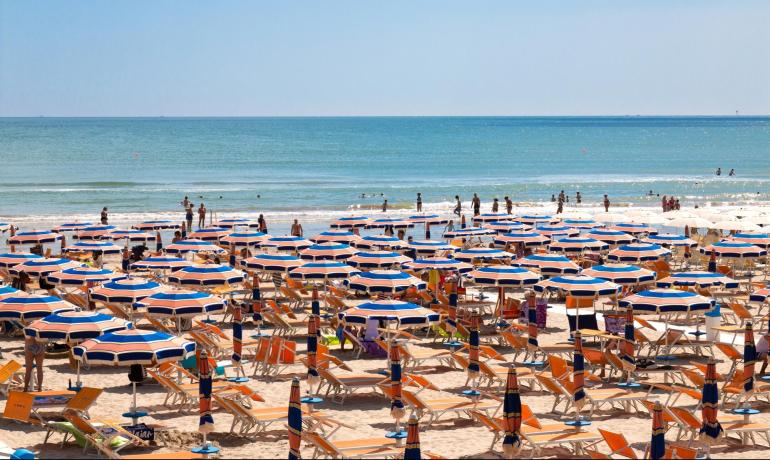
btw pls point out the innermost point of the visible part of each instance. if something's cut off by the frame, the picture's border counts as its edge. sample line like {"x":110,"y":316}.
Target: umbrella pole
{"x":77,"y":377}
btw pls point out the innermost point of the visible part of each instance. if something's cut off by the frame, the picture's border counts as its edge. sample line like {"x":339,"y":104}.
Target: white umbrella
{"x":759,"y":220}
{"x":575,"y":215}
{"x":738,"y":225}
{"x":612,"y":217}
{"x":649,"y":219}
{"x":697,"y":222}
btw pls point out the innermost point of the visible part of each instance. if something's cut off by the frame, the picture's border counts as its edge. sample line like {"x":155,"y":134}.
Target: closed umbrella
{"x":749,"y":359}
{"x":206,"y":421}
{"x":711,"y":429}
{"x":412,"y":448}
{"x":312,"y":350}
{"x":396,"y":405}
{"x":658,"y":441}
{"x":512,"y":414}
{"x":627,"y":346}
{"x":578,"y":378}
{"x":473,"y":351}
{"x":238,"y":344}
{"x":295,"y":421}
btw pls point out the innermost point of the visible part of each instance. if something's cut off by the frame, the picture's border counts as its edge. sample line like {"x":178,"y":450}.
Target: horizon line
{"x":406,"y":116}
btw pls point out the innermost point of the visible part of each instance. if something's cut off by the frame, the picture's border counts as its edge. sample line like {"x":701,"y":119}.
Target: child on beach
{"x":104,"y":215}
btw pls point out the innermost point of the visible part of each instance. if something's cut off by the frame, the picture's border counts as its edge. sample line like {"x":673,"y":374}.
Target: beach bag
{"x":541,"y":312}
{"x":615,"y":324}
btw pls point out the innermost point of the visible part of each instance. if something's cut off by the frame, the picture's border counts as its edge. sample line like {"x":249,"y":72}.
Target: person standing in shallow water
{"x":104,"y":216}
{"x":385,"y":206}
{"x":419,"y":202}
{"x":606,"y":204}
{"x":495,"y":205}
{"x":201,"y":215}
{"x":476,"y":203}
{"x":296,"y":229}
{"x":508,"y":205}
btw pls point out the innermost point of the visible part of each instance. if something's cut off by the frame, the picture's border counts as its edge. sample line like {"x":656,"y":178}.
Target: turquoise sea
{"x":77,"y":165}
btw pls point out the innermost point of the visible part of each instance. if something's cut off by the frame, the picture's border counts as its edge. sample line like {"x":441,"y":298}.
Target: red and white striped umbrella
{"x":384,"y":281}
{"x":34,"y":237}
{"x":394,"y":223}
{"x":156,"y":225}
{"x":580,"y":286}
{"x":611,"y":236}
{"x":81,"y":276}
{"x":160,"y":263}
{"x":431,"y":247}
{"x":536,"y":219}
{"x":634,"y":229}
{"x":286,"y":243}
{"x":193,"y":245}
{"x":503,"y":276}
{"x":126,"y":290}
{"x":527,"y":238}
{"x":577,"y":245}
{"x":327,"y":251}
{"x":732,"y":249}
{"x":272,"y":263}
{"x":507,"y":227}
{"x":95,"y":233}
{"x":209,"y":234}
{"x":9,"y":259}
{"x":380,"y":242}
{"x":638,"y":252}
{"x":557,"y":231}
{"x":72,"y":226}
{"x":548,"y":264}
{"x":244,"y":239}
{"x":377,"y":259}
{"x":336,"y":236}
{"x":130,"y":235}
{"x":493,"y":217}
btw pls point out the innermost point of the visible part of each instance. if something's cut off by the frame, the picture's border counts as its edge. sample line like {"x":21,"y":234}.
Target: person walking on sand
{"x":606,"y":204}
{"x":495,"y":205}
{"x":34,"y":354}
{"x":508,"y":205}
{"x":201,"y":215}
{"x":385,"y":205}
{"x":104,"y":216}
{"x":476,"y":203}
{"x":419,"y":202}
{"x":296,"y":229}
{"x":458,"y":205}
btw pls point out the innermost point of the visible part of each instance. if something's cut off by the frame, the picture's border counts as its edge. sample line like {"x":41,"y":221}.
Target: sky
{"x":395,"y":57}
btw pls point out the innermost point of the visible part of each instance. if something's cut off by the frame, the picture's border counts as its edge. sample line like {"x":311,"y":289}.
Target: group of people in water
{"x":670,"y":203}
{"x":718,"y":172}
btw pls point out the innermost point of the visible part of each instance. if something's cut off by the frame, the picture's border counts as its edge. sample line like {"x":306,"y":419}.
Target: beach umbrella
{"x":649,"y":219}
{"x":129,"y":235}
{"x":95,"y":232}
{"x":377,"y":259}
{"x":10,"y":259}
{"x":160,"y":263}
{"x":72,"y":226}
{"x":578,"y":377}
{"x":8,"y":291}
{"x":322,"y":271}
{"x":579,"y":286}
{"x":634,"y":229}
{"x":327,"y":251}
{"x":388,"y":222}
{"x":312,"y":348}
{"x":233,"y":223}
{"x":102,"y":247}
{"x":412,"y":447}
{"x":507,"y":227}
{"x":74,"y":326}
{"x":482,"y":255}
{"x":711,"y":429}
{"x":658,"y":441}
{"x":431,"y":219}
{"x":534,"y":219}
{"x":731,"y":249}
{"x":126,"y":290}
{"x":492,"y":217}
{"x":43,"y":266}
{"x":350,"y":222}
{"x":532,"y":330}
{"x":431,"y":247}
{"x":384,"y":281}
{"x":34,"y":237}
{"x":736,"y":225}
{"x":662,"y":301}
{"x":692,"y":222}
{"x":469,"y":232}
{"x":380,"y":242}
{"x":193,"y":245}
{"x":668,"y":240}
{"x":611,"y":218}
{"x":527,"y":238}
{"x":473,"y":350}
{"x":611,"y":236}
{"x":156,"y":225}
{"x":503,"y":276}
{"x":701,"y":279}
{"x":577,"y":245}
{"x":25,"y":307}
{"x":238,"y":344}
{"x":627,"y":346}
{"x":205,"y":384}
{"x":272,"y":263}
{"x":749,"y":358}
{"x":209,"y":234}
{"x":286,"y":243}
{"x":512,"y":413}
{"x":438,"y":263}
{"x":244,"y":239}
{"x":622,"y":274}
{"x":556,"y":230}
{"x":206,"y":275}
{"x":295,"y":421}
{"x":81,"y":276}
{"x":396,"y":405}
{"x":403,"y":314}
{"x":763,"y":220}
{"x":761,"y":240}
{"x":548,"y":264}
{"x":178,"y":303}
{"x":256,"y":303}
{"x":582,"y":224}
{"x":638,"y":252}
{"x":760,"y":295}
{"x":340,"y":236}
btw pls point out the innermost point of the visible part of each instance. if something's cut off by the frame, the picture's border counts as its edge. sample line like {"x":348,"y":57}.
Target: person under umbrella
{"x":295,"y":421}
{"x":512,"y":414}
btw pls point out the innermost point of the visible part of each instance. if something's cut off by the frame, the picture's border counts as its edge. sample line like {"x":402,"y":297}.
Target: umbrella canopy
{"x":209,"y":234}
{"x":583,"y":224}
{"x":404,"y":314}
{"x":760,"y":295}
{"x":527,"y":238}
{"x":749,"y":358}
{"x":295,"y":421}
{"x":666,"y":301}
{"x":507,"y":227}
{"x":287,"y":243}
{"x":534,"y":219}
{"x":439,"y":263}
{"x":81,"y":276}
{"x":612,"y":217}
{"x":156,"y":225}
{"x":577,"y":245}
{"x":503,"y":276}
{"x":692,"y":222}
{"x":736,"y":225}
{"x":180,"y":304}
{"x":482,"y":254}
{"x":579,"y":286}
{"x":699,"y":279}
{"x":669,"y":239}
{"x":244,"y":239}
{"x":72,"y":226}
{"x":412,"y":447}
{"x":492,"y":217}
{"x":432,"y":219}
{"x":129,"y":235}
{"x":273,"y":263}
{"x":205,"y":384}
{"x":395,"y":223}
{"x":638,"y":252}
{"x":711,"y":429}
{"x":622,"y":274}
{"x":350,"y":222}
{"x":731,"y":249}
{"x":556,"y":230}
{"x":133,"y":346}
{"x":193,"y":245}
{"x":512,"y":413}
{"x":634,"y":228}
{"x":103,"y":247}
{"x":431,"y":247}
{"x":160,"y":263}
{"x":43,"y":266}
{"x":233,"y":223}
{"x":8,"y":291}
{"x":380,"y":242}
{"x":126,"y":290}
{"x":327,"y":251}
{"x":384,"y":281}
{"x":74,"y":326}
{"x":340,"y":236}
{"x":377,"y":259}
{"x":611,"y":236}
{"x":35,"y":237}
{"x":761,"y":240}
{"x":550,"y":264}
{"x":322,"y":271}
{"x":9,"y":259}
{"x":27,"y":307}
{"x":469,"y":232}
{"x":95,"y":233}
{"x":206,"y":275}
{"x":658,"y":441}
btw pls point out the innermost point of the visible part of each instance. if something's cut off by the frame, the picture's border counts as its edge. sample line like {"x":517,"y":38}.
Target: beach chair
{"x":595,"y":398}
{"x":296,"y":302}
{"x":11,"y":377}
{"x":27,"y":406}
{"x":436,"y":408}
{"x":733,"y":390}
{"x":736,"y":313}
{"x":280,"y":308}
{"x":496,"y":375}
{"x":690,"y":425}
{"x":517,"y":342}
{"x":183,"y":395}
{"x":529,"y":424}
{"x":418,"y":356}
{"x":618,"y":444}
{"x":357,"y":448}
{"x":341,"y":386}
{"x":176,"y":455}
{"x":107,"y":437}
{"x":283,"y":353}
{"x":358,"y":346}
{"x":573,"y":438}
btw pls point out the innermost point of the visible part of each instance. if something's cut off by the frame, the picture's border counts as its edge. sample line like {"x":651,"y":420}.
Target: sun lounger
{"x":690,"y":425}
{"x":26,"y":406}
{"x":573,"y":438}
{"x":183,"y":395}
{"x":595,"y":398}
{"x":106,"y":437}
{"x":618,"y":444}
{"x":11,"y":377}
{"x":357,"y":448}
{"x":529,"y":424}
{"x":343,"y":385}
{"x":436,"y":408}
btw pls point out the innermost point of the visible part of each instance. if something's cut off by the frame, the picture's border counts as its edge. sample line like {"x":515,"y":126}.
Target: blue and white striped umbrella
{"x":81,"y":276}
{"x":493,"y":217}
{"x":209,"y":233}
{"x":133,"y":346}
{"x":156,"y":225}
{"x":403,"y":314}
{"x":638,"y":252}
{"x":556,"y":231}
{"x":482,"y":254}
{"x":579,"y":286}
{"x":380,"y":242}
{"x":384,"y":281}
{"x":611,"y":236}
{"x":622,"y":274}
{"x":577,"y":245}
{"x":431,"y":247}
{"x":27,"y":307}
{"x":761,"y":240}
{"x":669,"y":239}
{"x":548,"y":264}
{"x":503,"y":276}
{"x":666,"y":301}
{"x":632,"y":228}
{"x":336,"y":236}
{"x":10,"y":259}
{"x":74,"y":326}
{"x":34,"y":237}
{"x":390,"y":222}
{"x":72,"y":226}
{"x":469,"y":232}
{"x":377,"y":259}
{"x":103,"y":247}
{"x":731,"y":249}
{"x":507,"y":227}
{"x":126,"y":290}
{"x":95,"y":232}
{"x":286,"y":243}
{"x":535,"y":219}
{"x":438,"y":263}
{"x":193,"y":245}
{"x":130,"y":235}
{"x":527,"y":238}
{"x":8,"y":291}
{"x":351,"y":222}
{"x":322,"y":271}
{"x":42,"y":266}
{"x":206,"y":275}
{"x":327,"y":251}
{"x":698,"y":278}
{"x":180,"y":304}
{"x":582,"y":224}
{"x":432,"y":219}
{"x":244,"y":239}
{"x":272,"y":263}
{"x":160,"y":263}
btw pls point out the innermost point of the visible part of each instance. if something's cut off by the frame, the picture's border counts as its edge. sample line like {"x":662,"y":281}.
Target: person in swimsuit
{"x":606,"y":204}
{"x":201,"y":215}
{"x":262,"y":223}
{"x":458,"y":205}
{"x":34,"y":354}
{"x":476,"y":202}
{"x":508,"y":205}
{"x":495,"y":205}
{"x":419,"y":202}
{"x":104,"y":215}
{"x":385,"y":206}
{"x":189,"y":215}
{"x":296,"y":229}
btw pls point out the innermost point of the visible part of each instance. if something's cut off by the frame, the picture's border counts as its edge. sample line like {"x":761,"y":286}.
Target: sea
{"x":63,"y":169}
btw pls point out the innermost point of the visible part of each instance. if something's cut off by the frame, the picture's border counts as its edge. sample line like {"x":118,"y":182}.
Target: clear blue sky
{"x":367,"y":57}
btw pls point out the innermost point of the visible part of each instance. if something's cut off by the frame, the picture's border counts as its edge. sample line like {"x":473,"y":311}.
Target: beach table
{"x":735,"y":330}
